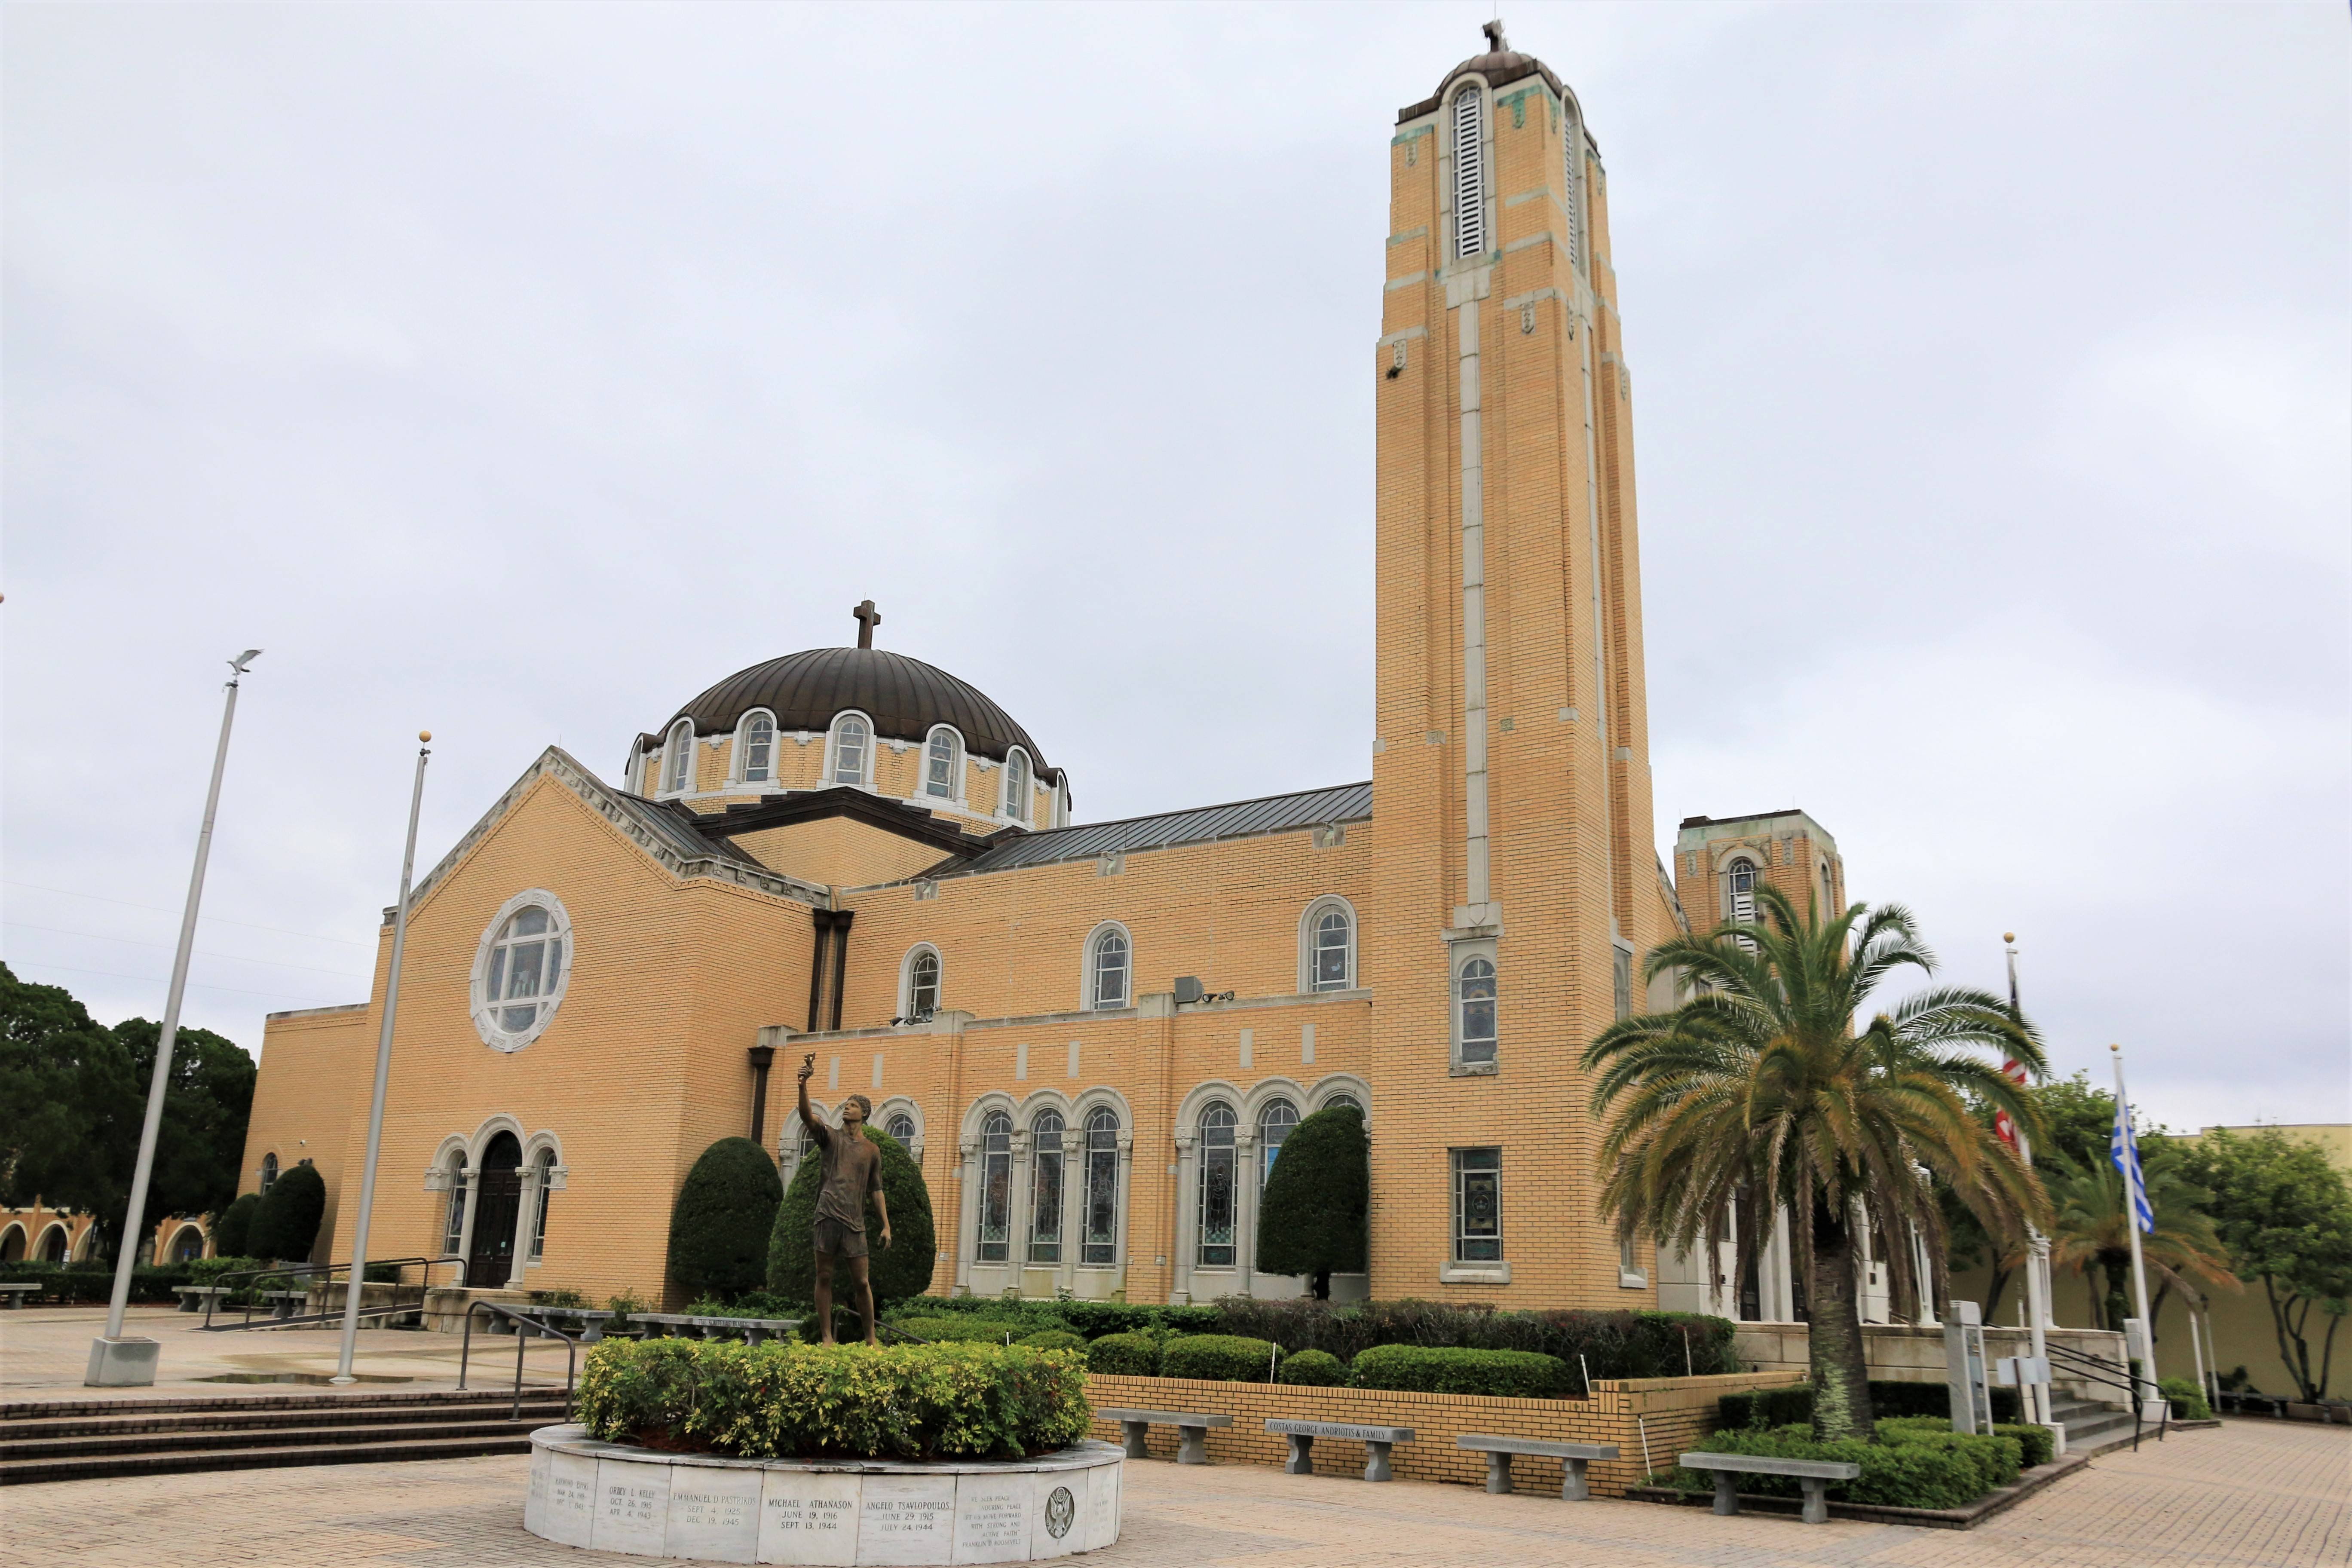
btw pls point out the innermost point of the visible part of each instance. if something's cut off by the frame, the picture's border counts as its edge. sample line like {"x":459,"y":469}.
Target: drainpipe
{"x":762,"y":1058}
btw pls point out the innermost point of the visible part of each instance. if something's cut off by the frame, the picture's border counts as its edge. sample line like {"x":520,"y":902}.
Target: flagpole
{"x":2037,"y":1245}
{"x":2135,"y":1194}
{"x":357,"y":1279}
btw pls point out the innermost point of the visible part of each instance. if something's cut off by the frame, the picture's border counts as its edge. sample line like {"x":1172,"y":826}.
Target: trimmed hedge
{"x":1613,"y":1344}
{"x":1125,"y":1355}
{"x":1053,"y":1340}
{"x":286,"y":1225}
{"x":1222,"y":1358}
{"x":902,"y":1271}
{"x":1312,"y":1369}
{"x":1091,"y":1319}
{"x":1502,"y":1374}
{"x":2039,"y":1445}
{"x":1793,"y":1406}
{"x":720,"y":1226}
{"x":787,"y":1401}
{"x":233,"y":1231}
{"x":1998,"y":1459}
{"x":1311,"y":1218}
{"x":2188,"y":1400}
{"x":961,"y":1331}
{"x":1895,"y":1473}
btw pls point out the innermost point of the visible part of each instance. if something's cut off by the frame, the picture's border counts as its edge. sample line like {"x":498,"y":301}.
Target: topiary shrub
{"x":1219,"y":1358}
{"x":1311,"y":1219}
{"x":1312,"y":1369}
{"x":1501,"y":1374}
{"x":961,"y":1331}
{"x":781,"y":1401}
{"x":233,"y":1229}
{"x":2037,"y":1445}
{"x":286,"y":1224}
{"x":2188,"y":1400}
{"x":1053,"y":1340}
{"x":902,"y":1271}
{"x":720,"y":1226}
{"x":1125,"y":1355}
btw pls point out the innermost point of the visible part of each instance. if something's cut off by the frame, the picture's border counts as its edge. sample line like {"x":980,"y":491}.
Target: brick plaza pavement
{"x":2253,"y":1492}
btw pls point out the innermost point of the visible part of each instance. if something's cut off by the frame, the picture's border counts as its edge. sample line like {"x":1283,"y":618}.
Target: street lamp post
{"x":357,"y":1280}
{"x":116,"y":1362}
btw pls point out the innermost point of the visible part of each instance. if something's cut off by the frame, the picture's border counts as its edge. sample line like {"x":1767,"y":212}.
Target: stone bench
{"x":591,"y":1318}
{"x":192,"y":1296}
{"x":1573,"y":1457}
{"x":1813,"y":1475}
{"x":286,"y":1303}
{"x":1377,"y":1441}
{"x":17,"y":1291}
{"x":1191,"y":1431}
{"x":755,"y":1330}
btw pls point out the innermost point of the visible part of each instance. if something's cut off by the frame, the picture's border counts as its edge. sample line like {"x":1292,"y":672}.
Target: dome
{"x":904,"y":697}
{"x":1500,"y":66}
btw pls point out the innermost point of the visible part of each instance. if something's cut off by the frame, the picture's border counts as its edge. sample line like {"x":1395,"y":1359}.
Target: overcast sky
{"x":519,"y":371}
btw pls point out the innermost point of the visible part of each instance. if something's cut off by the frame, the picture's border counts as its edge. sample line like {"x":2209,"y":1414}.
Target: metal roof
{"x":904,"y":697}
{"x":668,"y":823}
{"x":1203,"y":824}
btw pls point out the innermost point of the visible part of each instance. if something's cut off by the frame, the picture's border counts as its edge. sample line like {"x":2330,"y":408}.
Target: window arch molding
{"x":792,"y":1134}
{"x":1333,"y":1086}
{"x":911,"y":1004}
{"x":490,"y":1012}
{"x":64,"y":1240}
{"x":23,"y":1241}
{"x":899,"y":1105}
{"x":849,"y":742}
{"x":1310,"y":949}
{"x":745,"y":755}
{"x":929,"y":785}
{"x":677,"y":760}
{"x":1090,"y":997}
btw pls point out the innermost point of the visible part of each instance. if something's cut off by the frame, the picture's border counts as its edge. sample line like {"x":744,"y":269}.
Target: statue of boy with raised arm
{"x":853,"y":1170}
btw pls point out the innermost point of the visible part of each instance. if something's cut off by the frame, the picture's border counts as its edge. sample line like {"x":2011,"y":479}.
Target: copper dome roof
{"x":904,"y":697}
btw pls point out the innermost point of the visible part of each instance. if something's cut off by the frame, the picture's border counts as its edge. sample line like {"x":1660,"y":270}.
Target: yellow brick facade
{"x":1507,"y":821}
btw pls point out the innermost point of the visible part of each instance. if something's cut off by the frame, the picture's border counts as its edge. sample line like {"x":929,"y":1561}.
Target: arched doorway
{"x":498,"y":1203}
{"x":53,"y":1244}
{"x":12,"y":1245}
{"x":188,"y":1244}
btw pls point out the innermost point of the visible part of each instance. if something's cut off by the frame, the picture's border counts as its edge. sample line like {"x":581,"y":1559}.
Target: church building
{"x":1095,"y":1036}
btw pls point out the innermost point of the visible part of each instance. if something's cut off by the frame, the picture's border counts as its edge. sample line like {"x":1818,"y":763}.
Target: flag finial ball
{"x":2116,"y":1048}
{"x":424,"y":734}
{"x":2009,"y":936}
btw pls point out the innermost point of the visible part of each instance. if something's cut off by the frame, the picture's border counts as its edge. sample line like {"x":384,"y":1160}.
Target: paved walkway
{"x":2253,"y":1492}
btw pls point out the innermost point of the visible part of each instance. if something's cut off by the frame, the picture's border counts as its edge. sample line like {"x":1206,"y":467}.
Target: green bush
{"x":961,"y":1331}
{"x":558,"y":1298}
{"x":1997,"y":1458}
{"x":903,"y":1270}
{"x":718,"y":1228}
{"x":787,"y":1401}
{"x":1919,"y":1474}
{"x":286,"y":1225}
{"x":1312,"y":1369}
{"x":1502,"y":1374}
{"x":1312,"y":1216}
{"x":1091,"y":1319}
{"x":1219,"y":1358}
{"x":1767,"y":1407}
{"x":1613,"y":1344}
{"x":2188,"y":1400}
{"x":1053,"y":1340}
{"x":233,"y":1231}
{"x":2037,"y":1445}
{"x":1125,"y":1355}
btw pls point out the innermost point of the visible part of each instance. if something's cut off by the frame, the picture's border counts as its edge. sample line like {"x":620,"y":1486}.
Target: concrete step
{"x":221,"y":1440}
{"x":27,"y":1410}
{"x":24,"y":1472}
{"x":536,"y":1406}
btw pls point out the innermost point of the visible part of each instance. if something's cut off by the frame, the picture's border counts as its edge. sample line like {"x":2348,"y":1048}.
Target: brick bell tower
{"x":1518,"y":884}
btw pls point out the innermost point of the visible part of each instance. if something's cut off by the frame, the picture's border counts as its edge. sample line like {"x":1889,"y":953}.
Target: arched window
{"x":942,"y":765}
{"x":677,"y":758}
{"x":1344,"y":1098}
{"x":1825,"y":891}
{"x":1742,"y":880}
{"x":758,"y":740}
{"x":1469,"y":173}
{"x":1046,"y":1188}
{"x":1330,"y":947}
{"x":523,"y":975}
{"x":1107,"y":970}
{"x":546,"y":1164}
{"x":53,"y":1244}
{"x":1016,"y":785}
{"x":1273,"y":1124}
{"x":1101,"y":1243}
{"x":189,"y":1243}
{"x":922,"y":983}
{"x":453,"y":1229}
{"x":900,"y":1126}
{"x":1216,"y":1248}
{"x":995,"y":1188}
{"x":1474,"y":1008}
{"x":852,"y":743}
{"x":269,"y":1172}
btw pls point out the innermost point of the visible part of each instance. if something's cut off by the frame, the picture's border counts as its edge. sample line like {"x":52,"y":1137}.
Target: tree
{"x":1763,"y":1083}
{"x":718,"y":1229}
{"x":73,"y":1102}
{"x":286,"y":1225}
{"x":904,"y":1270}
{"x":2087,"y":1228}
{"x":2285,"y":1218}
{"x":233,"y":1232}
{"x":1312,"y":1218}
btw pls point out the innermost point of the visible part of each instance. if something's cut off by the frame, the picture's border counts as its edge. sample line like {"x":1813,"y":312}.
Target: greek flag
{"x":2124,"y":1149}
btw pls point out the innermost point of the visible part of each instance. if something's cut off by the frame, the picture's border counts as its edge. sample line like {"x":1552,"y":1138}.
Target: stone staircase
{"x":2091,"y":1428}
{"x":85,"y":1440}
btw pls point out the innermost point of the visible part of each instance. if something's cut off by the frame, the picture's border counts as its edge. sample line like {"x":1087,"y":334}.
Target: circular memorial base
{"x":612,"y":1497}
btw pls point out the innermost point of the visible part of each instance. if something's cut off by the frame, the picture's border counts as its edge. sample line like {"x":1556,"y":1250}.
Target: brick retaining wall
{"x":1675,"y":1411}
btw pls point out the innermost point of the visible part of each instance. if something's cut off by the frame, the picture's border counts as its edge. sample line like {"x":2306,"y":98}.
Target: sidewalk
{"x":2250,"y":1495}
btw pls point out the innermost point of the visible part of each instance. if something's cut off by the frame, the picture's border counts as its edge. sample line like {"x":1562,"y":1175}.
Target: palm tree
{"x":2087,"y":1232}
{"x":1762,"y":1081}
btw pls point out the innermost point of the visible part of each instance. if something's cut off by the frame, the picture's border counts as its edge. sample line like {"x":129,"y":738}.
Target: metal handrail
{"x":571,"y":1350}
{"x":2090,"y":1369}
{"x":326,"y":1270}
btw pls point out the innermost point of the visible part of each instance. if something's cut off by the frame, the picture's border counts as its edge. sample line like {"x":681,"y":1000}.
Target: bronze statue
{"x":851,"y":1173}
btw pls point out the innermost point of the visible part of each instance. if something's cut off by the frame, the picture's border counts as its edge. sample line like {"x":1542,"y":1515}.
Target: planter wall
{"x":1901,"y":1354}
{"x":1674,"y":1413}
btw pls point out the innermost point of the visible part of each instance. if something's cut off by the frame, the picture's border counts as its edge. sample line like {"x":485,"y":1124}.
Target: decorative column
{"x":1188,"y":1178}
{"x":968,"y":1214}
{"x":1025,"y":1209}
{"x":1074,"y":1223}
{"x":1245,"y":1205}
{"x":1118,"y":1206}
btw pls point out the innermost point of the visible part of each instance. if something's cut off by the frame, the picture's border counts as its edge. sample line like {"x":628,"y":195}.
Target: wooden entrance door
{"x":498,"y":1203}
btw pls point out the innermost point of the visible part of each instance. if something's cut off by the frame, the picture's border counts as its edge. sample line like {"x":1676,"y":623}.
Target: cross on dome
{"x":867,"y":618}
{"x":1493,"y":31}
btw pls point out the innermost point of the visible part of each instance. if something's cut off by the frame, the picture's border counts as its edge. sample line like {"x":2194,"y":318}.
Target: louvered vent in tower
{"x":1469,"y":176}
{"x":1573,"y":194}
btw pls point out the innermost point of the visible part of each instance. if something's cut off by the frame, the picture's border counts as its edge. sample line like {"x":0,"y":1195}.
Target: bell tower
{"x":1511,"y":782}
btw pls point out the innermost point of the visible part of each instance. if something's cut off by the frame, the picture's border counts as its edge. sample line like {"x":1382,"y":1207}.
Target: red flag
{"x":2003,"y":1127}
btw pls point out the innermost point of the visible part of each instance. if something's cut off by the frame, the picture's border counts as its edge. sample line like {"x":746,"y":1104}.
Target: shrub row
{"x":1911,"y":1466}
{"x":1612,"y":1344}
{"x":95,"y":1282}
{"x":1793,"y":1406}
{"x":787,"y":1401}
{"x":1090,"y":1320}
